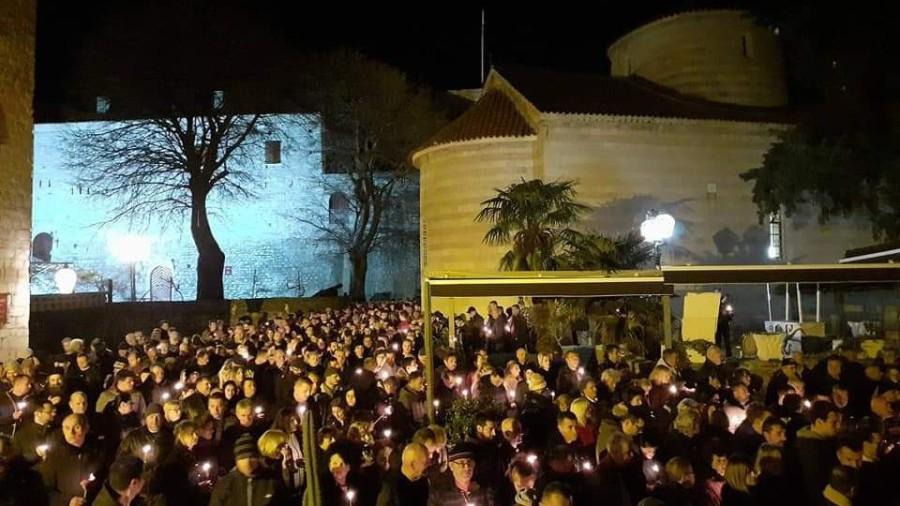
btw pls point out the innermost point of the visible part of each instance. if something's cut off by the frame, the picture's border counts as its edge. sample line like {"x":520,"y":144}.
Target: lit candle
{"x":165,"y":396}
{"x":387,"y":433}
{"x":465,"y":392}
{"x":587,"y":466}
{"x":458,"y":380}
{"x":301,"y":409}
{"x":21,"y":405}
{"x":359,"y":371}
{"x":42,"y":449}
{"x":350,"y":494}
{"x":436,"y":403}
{"x":207,"y":466}
{"x":581,"y":371}
{"x":259,"y":411}
{"x":654,"y":467}
{"x":389,"y":410}
{"x":146,"y":449}
{"x":395,"y":346}
{"x":807,"y":403}
{"x":673,"y":389}
{"x":179,"y":385}
{"x":383,"y":375}
{"x":531,"y":458}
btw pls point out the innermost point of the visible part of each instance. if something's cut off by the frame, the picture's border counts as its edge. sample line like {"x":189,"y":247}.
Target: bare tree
{"x":371,"y":118}
{"x":165,"y":168}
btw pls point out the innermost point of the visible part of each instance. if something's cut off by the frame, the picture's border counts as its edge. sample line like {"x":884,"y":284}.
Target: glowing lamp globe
{"x":66,"y":278}
{"x":658,"y":228}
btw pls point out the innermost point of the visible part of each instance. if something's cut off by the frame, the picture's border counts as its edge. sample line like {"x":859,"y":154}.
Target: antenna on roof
{"x":482,"y":46}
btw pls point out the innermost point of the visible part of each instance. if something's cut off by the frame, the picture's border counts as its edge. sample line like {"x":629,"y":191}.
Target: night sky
{"x":437,"y":45}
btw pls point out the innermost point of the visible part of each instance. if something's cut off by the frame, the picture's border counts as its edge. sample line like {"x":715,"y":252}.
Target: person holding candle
{"x":15,"y":406}
{"x":35,"y":432}
{"x":70,"y":464}
{"x":124,"y":484}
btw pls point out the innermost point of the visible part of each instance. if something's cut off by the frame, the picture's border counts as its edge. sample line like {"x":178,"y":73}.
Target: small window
{"x":218,"y":99}
{"x":338,"y":207}
{"x":102,"y":105}
{"x":273,"y":152}
{"x":776,"y":246}
{"x":746,"y":46}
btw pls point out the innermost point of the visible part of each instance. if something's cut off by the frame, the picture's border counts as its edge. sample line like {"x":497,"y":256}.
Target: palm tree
{"x":598,"y":252}
{"x":535,"y":219}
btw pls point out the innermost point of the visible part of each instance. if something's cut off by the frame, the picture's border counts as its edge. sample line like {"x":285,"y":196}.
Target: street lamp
{"x":131,"y":249}
{"x":66,"y":278}
{"x":657,"y":228}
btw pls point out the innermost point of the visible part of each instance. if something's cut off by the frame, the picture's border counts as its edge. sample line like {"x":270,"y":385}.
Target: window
{"x":218,"y":99}
{"x":273,"y":152}
{"x":335,"y":152}
{"x":776,"y":238}
{"x":102,"y":105}
{"x":338,"y":207}
{"x":746,"y":46}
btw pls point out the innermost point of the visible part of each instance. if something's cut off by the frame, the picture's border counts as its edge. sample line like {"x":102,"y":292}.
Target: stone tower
{"x":718,"y":55}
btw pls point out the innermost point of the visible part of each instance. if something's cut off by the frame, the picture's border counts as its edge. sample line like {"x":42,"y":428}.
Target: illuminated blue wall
{"x":267,"y":250}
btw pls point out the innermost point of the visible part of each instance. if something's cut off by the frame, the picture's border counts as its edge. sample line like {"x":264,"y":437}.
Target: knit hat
{"x":245,"y":447}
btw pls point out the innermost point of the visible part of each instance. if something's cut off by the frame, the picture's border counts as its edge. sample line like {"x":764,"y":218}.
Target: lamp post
{"x":131,"y":249}
{"x":657,"y":228}
{"x":66,"y":278}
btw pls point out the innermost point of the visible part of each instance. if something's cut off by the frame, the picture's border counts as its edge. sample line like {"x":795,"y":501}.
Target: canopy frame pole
{"x":818,"y":302}
{"x":429,"y":349}
{"x":799,"y":305}
{"x":787,"y":302}
{"x":769,"y":300}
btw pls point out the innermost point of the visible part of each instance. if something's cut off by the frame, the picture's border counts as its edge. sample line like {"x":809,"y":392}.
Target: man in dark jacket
{"x":73,"y":470}
{"x":815,"y":449}
{"x":248,"y":484}
{"x":34,"y":434}
{"x":124,"y":483}
{"x":409,"y":486}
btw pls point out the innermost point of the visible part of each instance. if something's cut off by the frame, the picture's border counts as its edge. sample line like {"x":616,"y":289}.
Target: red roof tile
{"x":493,"y":115}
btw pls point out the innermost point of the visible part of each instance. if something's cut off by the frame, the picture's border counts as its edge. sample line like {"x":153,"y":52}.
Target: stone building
{"x":269,"y":251}
{"x":17,"y":31}
{"x":693,"y":100}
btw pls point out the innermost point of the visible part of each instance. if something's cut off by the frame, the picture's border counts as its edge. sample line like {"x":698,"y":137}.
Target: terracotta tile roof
{"x":493,"y":115}
{"x":554,"y":91}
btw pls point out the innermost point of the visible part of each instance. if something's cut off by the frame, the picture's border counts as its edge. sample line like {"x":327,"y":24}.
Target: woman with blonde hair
{"x":277,"y":456}
{"x":738,"y":481}
{"x":586,"y":430}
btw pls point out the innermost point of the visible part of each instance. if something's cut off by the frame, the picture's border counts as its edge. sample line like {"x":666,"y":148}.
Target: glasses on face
{"x":465,"y":463}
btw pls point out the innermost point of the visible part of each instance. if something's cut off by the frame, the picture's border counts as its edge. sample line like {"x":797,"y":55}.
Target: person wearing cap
{"x":124,"y":483}
{"x":249,"y":483}
{"x":458,"y":486}
{"x":155,"y":429}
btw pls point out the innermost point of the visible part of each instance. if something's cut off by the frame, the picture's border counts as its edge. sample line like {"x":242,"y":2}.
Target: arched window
{"x":338,"y":206}
{"x":42,"y":247}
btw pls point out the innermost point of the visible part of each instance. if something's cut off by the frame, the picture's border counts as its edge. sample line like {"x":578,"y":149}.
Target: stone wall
{"x":268,"y":251}
{"x":17,"y":30}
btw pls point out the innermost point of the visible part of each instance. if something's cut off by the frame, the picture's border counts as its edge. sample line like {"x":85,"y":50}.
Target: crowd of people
{"x":219,"y":417}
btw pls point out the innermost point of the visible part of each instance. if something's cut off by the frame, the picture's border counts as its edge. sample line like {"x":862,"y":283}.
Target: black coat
{"x":815,"y":457}
{"x":21,"y":485}
{"x":66,"y":466}
{"x":235,"y":489}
